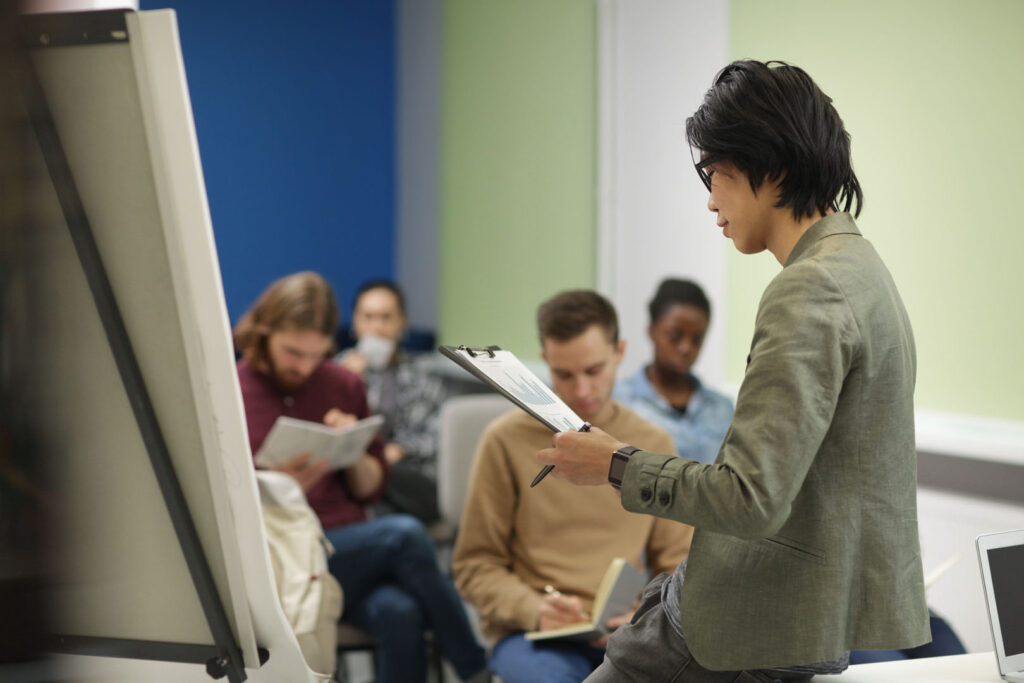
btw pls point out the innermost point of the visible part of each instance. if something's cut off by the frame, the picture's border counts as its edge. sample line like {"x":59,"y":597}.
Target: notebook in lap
{"x":1002,"y":574}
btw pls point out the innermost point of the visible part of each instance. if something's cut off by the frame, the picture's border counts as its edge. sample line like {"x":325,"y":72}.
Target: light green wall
{"x":931,"y":92}
{"x":518,"y":165}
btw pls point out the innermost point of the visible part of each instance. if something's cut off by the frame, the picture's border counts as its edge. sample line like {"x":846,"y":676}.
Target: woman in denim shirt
{"x":666,"y":392}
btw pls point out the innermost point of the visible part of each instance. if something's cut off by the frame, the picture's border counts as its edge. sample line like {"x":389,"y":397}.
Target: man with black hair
{"x":806,"y":543}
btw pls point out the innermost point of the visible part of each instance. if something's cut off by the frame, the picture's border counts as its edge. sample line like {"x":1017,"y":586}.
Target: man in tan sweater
{"x":515,"y":541}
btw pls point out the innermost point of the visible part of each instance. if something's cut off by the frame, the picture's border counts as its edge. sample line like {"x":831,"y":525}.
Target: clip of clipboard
{"x":507,"y":375}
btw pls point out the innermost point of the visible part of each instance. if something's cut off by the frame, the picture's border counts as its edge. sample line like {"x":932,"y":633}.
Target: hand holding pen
{"x":581,"y":457}
{"x":547,"y":468}
{"x":558,"y":610}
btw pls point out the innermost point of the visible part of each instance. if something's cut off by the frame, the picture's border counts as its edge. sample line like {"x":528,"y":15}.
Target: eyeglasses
{"x":705,"y":177}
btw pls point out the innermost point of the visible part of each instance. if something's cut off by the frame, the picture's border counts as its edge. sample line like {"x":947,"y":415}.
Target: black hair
{"x":771,"y":121}
{"x":673,"y":292}
{"x":380,"y":284}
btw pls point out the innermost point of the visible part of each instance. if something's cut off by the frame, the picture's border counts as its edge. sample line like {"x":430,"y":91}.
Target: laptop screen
{"x":1007,"y":568}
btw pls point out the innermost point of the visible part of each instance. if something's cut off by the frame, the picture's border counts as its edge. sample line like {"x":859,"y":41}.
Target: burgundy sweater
{"x":330,"y":386}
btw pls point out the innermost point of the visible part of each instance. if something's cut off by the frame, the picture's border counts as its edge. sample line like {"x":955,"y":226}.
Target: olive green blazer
{"x":806,"y":541}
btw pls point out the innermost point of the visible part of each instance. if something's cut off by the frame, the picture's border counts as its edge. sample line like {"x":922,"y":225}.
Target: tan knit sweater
{"x":513,"y":539}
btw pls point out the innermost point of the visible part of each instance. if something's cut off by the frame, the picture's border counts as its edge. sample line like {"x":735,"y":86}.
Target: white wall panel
{"x":656,"y":60}
{"x":418,"y":82}
{"x":949,"y":523}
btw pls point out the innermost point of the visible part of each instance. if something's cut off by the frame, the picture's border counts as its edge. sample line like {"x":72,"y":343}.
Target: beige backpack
{"x":310,"y":597}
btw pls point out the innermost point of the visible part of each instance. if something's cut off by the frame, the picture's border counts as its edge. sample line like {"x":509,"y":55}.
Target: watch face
{"x":617,"y":470}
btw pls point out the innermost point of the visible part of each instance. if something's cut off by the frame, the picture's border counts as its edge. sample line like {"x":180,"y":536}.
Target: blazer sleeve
{"x":668,"y":542}
{"x":803,"y":346}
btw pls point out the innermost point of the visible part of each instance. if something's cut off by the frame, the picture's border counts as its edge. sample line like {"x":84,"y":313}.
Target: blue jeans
{"x":944,"y":642}
{"x":394,"y":591}
{"x":518,"y":660}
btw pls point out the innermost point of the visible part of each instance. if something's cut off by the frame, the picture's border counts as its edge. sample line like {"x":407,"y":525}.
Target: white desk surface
{"x":979,"y":667}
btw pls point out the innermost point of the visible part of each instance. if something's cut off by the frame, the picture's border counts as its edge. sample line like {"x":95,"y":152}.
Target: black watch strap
{"x":617,"y":469}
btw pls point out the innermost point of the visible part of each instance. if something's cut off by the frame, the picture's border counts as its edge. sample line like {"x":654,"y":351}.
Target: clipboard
{"x":507,"y":375}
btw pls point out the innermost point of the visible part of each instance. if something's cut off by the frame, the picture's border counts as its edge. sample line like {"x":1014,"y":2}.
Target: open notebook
{"x":340,"y":447}
{"x":616,"y":595}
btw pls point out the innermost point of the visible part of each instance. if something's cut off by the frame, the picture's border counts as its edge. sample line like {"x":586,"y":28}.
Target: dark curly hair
{"x":672,"y":292}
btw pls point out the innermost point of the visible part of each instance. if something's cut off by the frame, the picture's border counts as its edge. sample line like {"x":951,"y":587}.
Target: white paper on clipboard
{"x":507,"y":373}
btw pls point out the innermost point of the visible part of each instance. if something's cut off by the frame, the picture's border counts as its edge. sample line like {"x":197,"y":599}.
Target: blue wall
{"x":295,"y":113}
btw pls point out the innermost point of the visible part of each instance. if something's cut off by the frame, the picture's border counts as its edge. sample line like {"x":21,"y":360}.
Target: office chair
{"x":352,"y":639}
{"x":462,"y":423}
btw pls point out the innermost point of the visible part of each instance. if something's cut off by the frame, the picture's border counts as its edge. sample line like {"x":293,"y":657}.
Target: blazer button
{"x":646,"y":494}
{"x":663,"y":498}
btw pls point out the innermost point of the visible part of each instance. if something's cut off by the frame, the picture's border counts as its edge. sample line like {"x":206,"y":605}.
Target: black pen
{"x":547,"y":468}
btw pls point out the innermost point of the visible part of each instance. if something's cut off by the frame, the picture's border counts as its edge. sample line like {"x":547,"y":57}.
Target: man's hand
{"x":365,"y":475}
{"x":612,"y":624}
{"x":393,"y":452}
{"x":303,"y":471}
{"x":581,"y":457}
{"x":354,"y":361}
{"x":337,"y":419}
{"x":557,"y":610}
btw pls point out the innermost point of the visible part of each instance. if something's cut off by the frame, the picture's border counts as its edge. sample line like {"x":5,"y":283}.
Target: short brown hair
{"x":567,"y":315}
{"x":302,"y":301}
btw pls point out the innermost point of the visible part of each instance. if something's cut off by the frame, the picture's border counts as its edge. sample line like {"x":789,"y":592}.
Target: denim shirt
{"x":697,"y":432}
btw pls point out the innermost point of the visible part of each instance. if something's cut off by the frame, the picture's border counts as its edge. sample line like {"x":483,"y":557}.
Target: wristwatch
{"x":617,"y":470}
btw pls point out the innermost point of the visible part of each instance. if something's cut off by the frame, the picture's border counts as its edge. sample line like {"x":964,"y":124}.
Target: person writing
{"x":532,"y":558}
{"x":805,"y":526}
{"x":387,"y":567}
{"x":666,"y":392}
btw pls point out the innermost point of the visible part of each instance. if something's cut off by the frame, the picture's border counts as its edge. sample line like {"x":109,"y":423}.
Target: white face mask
{"x":376,"y":350}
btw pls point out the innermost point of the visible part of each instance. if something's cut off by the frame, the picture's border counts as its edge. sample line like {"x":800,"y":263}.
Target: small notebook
{"x":615,"y":596}
{"x":340,"y":447}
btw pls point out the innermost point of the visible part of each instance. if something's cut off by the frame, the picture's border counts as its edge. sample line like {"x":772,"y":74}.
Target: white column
{"x":417,"y":163}
{"x":657,"y":58}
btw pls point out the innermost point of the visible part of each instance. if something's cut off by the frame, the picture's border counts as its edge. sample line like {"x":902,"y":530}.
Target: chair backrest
{"x":462,"y":422}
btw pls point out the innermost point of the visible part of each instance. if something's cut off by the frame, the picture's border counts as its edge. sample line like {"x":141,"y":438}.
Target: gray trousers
{"x":648,"y":650}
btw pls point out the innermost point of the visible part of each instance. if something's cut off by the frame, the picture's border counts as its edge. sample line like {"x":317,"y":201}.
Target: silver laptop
{"x":1002,"y":573}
